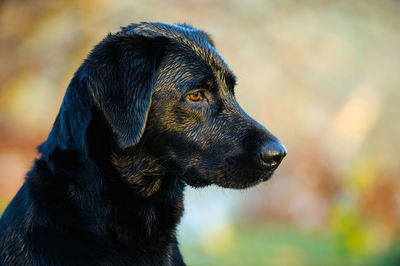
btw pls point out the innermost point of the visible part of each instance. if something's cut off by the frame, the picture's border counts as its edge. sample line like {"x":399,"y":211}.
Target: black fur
{"x":108,"y":186}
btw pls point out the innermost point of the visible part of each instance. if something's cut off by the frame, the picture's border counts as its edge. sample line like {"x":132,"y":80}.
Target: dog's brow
{"x":200,"y":83}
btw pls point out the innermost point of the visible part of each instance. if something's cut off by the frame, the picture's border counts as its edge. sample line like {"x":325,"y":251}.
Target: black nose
{"x":272,"y":153}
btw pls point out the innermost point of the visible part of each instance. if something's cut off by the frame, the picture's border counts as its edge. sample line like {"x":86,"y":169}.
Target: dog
{"x":150,"y":110}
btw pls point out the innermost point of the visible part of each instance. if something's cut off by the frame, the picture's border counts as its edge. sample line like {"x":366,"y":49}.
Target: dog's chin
{"x":244,"y":183}
{"x":196,"y":182}
{"x":229,"y":181}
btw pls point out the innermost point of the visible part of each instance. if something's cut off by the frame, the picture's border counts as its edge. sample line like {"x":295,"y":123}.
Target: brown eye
{"x":195,"y":96}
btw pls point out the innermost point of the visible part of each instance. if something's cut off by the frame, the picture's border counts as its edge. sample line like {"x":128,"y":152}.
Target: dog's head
{"x":165,"y":90}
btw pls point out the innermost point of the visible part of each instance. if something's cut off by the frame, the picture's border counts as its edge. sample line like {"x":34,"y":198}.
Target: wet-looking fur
{"x":108,"y":186}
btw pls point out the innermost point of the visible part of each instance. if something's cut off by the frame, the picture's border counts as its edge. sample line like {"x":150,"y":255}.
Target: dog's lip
{"x":266,"y":176}
{"x":241,"y":186}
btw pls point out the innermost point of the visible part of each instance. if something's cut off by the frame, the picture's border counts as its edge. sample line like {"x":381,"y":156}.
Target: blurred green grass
{"x":283,"y":245}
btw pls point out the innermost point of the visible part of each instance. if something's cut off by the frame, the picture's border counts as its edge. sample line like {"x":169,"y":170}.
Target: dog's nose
{"x":272,"y":154}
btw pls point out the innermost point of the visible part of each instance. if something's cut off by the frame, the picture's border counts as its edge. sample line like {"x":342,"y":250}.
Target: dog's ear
{"x":122,"y":74}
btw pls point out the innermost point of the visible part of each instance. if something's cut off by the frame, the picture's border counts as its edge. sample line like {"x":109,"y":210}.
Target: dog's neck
{"x":150,"y":200}
{"x":146,"y":206}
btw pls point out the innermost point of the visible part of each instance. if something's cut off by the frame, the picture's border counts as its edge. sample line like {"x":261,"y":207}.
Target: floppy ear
{"x":121,"y":78}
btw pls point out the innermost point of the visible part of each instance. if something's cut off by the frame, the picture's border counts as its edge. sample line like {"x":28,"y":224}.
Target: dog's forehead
{"x":191,"y":39}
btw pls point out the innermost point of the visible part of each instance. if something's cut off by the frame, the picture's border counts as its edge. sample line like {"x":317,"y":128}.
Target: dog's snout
{"x":272,"y":154}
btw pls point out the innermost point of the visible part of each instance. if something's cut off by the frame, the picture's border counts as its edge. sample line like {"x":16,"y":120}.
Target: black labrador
{"x":151,"y":109}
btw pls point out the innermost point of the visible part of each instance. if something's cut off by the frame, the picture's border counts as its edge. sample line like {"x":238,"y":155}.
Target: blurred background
{"x":323,"y":76}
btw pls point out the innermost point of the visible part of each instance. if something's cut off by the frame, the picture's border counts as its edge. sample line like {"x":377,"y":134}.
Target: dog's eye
{"x":196,"y":96}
